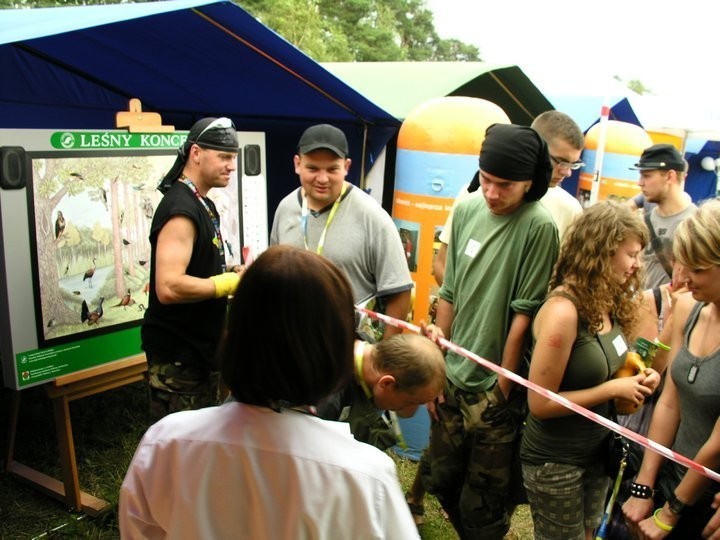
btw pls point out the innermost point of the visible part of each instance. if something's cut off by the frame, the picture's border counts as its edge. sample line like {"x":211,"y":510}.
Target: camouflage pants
{"x":175,"y":386}
{"x":471,"y":463}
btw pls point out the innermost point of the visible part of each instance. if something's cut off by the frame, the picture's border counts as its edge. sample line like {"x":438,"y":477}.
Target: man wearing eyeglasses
{"x":189,"y":280}
{"x":565,"y":144}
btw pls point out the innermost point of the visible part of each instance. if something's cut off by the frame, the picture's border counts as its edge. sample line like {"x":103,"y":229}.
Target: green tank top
{"x":574,"y":439}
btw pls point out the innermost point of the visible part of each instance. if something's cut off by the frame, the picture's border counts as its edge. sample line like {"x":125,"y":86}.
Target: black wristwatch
{"x":675,"y":505}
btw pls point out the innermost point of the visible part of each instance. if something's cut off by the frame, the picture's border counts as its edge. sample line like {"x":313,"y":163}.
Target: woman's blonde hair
{"x":584,"y":267}
{"x":696,"y":242}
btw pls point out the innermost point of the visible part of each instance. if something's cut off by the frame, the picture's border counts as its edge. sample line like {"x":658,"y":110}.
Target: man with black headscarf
{"x":500,"y":257}
{"x":189,"y":281}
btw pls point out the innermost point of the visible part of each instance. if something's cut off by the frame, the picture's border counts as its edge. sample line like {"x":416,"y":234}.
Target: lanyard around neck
{"x":394,"y":422}
{"x":218,"y":240}
{"x":304,"y":219}
{"x":359,"y":358}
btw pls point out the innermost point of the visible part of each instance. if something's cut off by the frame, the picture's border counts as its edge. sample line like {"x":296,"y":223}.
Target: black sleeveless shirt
{"x":186,"y":332}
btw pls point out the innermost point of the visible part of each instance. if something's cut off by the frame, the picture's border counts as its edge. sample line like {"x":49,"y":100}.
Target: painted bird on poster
{"x":89,"y":273}
{"x":229,"y":248}
{"x":103,"y":198}
{"x":59,"y":224}
{"x":125,"y":300}
{"x":94,"y":316}
{"x":147,"y":208}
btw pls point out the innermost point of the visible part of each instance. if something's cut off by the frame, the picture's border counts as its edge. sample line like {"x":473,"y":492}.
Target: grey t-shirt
{"x":664,"y":227}
{"x":362,"y":240}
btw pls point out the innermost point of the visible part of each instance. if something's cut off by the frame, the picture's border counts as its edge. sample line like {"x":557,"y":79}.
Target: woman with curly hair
{"x":669,"y":500}
{"x":579,"y":336}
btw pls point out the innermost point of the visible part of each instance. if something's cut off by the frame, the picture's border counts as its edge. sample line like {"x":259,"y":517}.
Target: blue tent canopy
{"x":700,"y":183}
{"x":585,"y":110}
{"x":75,"y":67}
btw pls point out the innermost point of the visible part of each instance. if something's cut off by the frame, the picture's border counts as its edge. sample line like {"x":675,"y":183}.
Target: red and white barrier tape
{"x":625,"y":432}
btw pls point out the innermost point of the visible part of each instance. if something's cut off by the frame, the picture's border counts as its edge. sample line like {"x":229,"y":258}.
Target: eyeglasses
{"x":561,"y":164}
{"x":218,"y":123}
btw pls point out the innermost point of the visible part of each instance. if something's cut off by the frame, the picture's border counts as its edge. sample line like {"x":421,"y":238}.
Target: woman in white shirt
{"x":264,"y":466}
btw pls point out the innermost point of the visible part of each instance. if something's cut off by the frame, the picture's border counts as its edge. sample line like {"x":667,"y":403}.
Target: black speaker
{"x":13,"y":169}
{"x":253,"y":161}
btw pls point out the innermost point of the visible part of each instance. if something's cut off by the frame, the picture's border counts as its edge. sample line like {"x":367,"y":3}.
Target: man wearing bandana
{"x":189,"y":281}
{"x":500,"y":256}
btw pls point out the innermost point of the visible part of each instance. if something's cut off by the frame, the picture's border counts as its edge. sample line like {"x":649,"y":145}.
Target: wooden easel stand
{"x":61,"y":392}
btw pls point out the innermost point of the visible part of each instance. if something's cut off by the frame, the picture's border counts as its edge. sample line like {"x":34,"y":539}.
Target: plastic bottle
{"x":634,"y":364}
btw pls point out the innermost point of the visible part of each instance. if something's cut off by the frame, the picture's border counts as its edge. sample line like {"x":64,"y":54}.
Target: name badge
{"x":620,"y":345}
{"x":344,"y":414}
{"x":472,"y":248}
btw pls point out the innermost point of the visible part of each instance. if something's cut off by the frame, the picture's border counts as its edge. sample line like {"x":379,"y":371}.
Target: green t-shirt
{"x":496,"y":266}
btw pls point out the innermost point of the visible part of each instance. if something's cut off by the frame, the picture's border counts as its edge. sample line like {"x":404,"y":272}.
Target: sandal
{"x":417,"y":511}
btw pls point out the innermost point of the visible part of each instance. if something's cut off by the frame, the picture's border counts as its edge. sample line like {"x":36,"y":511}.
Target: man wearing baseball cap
{"x":189,"y":280}
{"x":501,"y":251}
{"x":662,"y":175}
{"x":333,"y":218}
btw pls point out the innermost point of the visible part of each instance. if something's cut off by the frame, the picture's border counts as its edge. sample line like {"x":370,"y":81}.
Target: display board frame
{"x":45,"y":332}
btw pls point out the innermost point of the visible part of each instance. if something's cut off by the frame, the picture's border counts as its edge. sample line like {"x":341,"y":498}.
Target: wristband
{"x":225,"y":284}
{"x":641,"y":491}
{"x":675,"y":505}
{"x":660,"y":525}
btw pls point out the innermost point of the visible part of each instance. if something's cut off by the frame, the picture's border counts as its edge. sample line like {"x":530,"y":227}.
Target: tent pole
{"x":277,"y":62}
{"x":363,"y":179}
{"x":600,"y":152}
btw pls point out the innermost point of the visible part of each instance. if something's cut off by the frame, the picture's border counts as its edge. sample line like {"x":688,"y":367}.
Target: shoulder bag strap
{"x":656,"y":244}
{"x":657,"y":296}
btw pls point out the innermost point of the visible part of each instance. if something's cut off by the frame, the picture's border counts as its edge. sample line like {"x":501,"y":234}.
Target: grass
{"x":436,"y":527}
{"x":106,"y":429}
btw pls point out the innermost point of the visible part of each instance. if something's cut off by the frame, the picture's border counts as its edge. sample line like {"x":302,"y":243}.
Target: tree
{"x":360,"y":30}
{"x":299,"y":22}
{"x":635,"y":85}
{"x":20,"y":4}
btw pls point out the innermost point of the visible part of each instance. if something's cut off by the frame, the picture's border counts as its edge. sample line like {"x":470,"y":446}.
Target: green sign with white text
{"x":116,"y":140}
{"x":43,"y":365}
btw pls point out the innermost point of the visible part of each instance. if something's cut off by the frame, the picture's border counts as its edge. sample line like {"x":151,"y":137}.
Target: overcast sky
{"x":577,"y":46}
